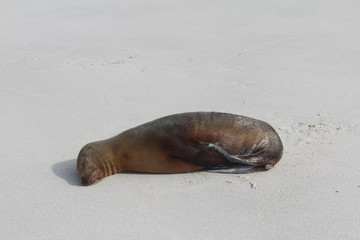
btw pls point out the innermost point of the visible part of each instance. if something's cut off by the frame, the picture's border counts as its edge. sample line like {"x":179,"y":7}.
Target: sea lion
{"x":212,"y":141}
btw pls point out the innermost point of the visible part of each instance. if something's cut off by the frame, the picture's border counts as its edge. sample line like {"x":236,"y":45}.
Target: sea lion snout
{"x":91,"y":178}
{"x":89,"y":172}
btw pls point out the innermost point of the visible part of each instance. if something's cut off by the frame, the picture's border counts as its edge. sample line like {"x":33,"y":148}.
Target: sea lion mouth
{"x":92,"y":178}
{"x":86,"y":182}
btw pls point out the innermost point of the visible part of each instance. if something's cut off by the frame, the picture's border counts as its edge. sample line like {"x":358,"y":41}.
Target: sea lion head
{"x":88,"y":165}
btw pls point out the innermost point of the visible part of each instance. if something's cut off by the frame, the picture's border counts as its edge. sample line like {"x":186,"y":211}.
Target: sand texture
{"x":72,"y":72}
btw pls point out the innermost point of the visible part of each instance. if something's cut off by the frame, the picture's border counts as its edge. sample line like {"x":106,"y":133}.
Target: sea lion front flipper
{"x":207,"y":157}
{"x":250,"y":158}
{"x":211,"y":155}
{"x":236,"y":168}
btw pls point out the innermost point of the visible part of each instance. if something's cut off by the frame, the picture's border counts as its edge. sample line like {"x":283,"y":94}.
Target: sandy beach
{"x":73,"y":72}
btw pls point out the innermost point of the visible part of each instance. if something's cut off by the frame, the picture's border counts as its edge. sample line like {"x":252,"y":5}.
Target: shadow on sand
{"x":67,"y":171}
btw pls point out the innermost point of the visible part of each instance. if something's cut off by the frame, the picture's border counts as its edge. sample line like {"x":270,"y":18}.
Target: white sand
{"x":76,"y":71}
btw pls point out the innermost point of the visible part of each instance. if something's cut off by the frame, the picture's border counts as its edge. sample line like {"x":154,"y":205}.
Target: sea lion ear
{"x":84,"y":161}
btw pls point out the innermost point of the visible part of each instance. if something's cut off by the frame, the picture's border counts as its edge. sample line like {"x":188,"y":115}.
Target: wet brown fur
{"x":180,"y":143}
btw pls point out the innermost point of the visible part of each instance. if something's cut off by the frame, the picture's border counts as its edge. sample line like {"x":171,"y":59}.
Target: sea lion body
{"x":219,"y":142}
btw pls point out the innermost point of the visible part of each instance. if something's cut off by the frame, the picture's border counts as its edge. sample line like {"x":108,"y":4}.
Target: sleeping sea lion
{"x":211,"y":141}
